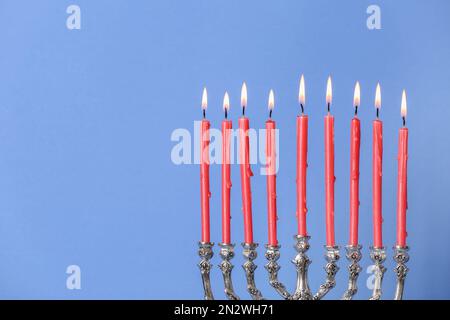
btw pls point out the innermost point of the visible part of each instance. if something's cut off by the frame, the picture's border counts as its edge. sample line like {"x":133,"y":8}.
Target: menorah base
{"x":354,"y":256}
{"x":401,"y":256}
{"x":378,"y":256}
{"x":302,"y":262}
{"x":272,"y":255}
{"x":331,"y":268}
{"x":227,"y":253}
{"x":249,"y":266}
{"x":205,"y":252}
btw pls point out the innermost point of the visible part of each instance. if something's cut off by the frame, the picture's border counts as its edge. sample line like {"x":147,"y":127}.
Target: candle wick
{"x":226,"y":113}
{"x":243,"y":111}
{"x":204,"y":113}
{"x":270,"y":113}
{"x":356,"y":110}
{"x":303,"y":109}
{"x":378,"y":113}
{"x":329,"y":107}
{"x":404,"y":121}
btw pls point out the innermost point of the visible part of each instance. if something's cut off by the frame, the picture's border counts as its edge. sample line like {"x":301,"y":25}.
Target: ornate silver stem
{"x":378,"y":256}
{"x":401,"y":256}
{"x":272,"y":255}
{"x":302,"y":262}
{"x":354,"y":256}
{"x":331,"y":256}
{"x":249,"y":266}
{"x":205,"y":252}
{"x":227,"y":253}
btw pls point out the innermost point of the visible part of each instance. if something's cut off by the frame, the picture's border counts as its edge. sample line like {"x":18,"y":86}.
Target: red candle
{"x":205,"y":193}
{"x":302,"y":158}
{"x":246,"y":171}
{"x":329,"y":169}
{"x":271,"y":174}
{"x":226,"y":179}
{"x":377,"y":174}
{"x":402,"y":200}
{"x":355,"y":139}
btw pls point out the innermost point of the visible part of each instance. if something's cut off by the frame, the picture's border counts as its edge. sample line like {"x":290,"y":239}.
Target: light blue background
{"x":86,"y":117}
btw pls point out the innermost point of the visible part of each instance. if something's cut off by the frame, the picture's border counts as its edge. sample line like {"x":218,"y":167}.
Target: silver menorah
{"x":302,"y":264}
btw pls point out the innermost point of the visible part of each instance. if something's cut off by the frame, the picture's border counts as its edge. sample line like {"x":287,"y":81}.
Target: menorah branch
{"x":272,"y":256}
{"x":401,"y":256}
{"x":227,"y":253}
{"x":302,"y":262}
{"x":331,"y":268}
{"x":249,"y":266}
{"x":378,"y":256}
{"x":353,"y":256}
{"x":206,"y":253}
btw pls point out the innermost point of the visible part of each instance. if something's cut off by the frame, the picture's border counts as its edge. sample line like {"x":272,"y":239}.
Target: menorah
{"x":302,"y":264}
{"x":301,"y":260}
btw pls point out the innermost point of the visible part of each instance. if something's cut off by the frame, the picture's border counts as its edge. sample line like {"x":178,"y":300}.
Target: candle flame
{"x":357,"y":95}
{"x":301,"y":93}
{"x":329,"y":91}
{"x":378,"y":97}
{"x":204,"y":99}
{"x":226,"y":102}
{"x":404,"y":108}
{"x":271,"y":100}
{"x":244,"y":95}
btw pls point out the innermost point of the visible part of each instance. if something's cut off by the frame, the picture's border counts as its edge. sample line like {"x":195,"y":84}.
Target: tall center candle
{"x":226,"y":176}
{"x":302,"y":164}
{"x":271,"y":174}
{"x":402,"y":180}
{"x":377,"y":174}
{"x":329,"y":170}
{"x":355,"y":140}
{"x":205,"y":192}
{"x":246,"y":171}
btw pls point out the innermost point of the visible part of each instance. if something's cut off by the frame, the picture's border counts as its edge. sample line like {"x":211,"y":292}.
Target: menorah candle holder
{"x":272,"y":256}
{"x":353,"y":256}
{"x":249,"y":266}
{"x":331,"y":268}
{"x":227,"y":253}
{"x":401,"y":256}
{"x":302,"y":262}
{"x":378,"y":256}
{"x":205,"y":252}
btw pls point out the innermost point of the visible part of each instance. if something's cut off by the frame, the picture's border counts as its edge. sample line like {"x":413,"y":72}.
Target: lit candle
{"x":205,"y":193}
{"x":402,"y":180}
{"x":226,"y":179}
{"x":271,"y":173}
{"x":355,"y":139}
{"x":377,"y":173}
{"x":329,"y":169}
{"x":302,"y":164}
{"x":246,"y":171}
